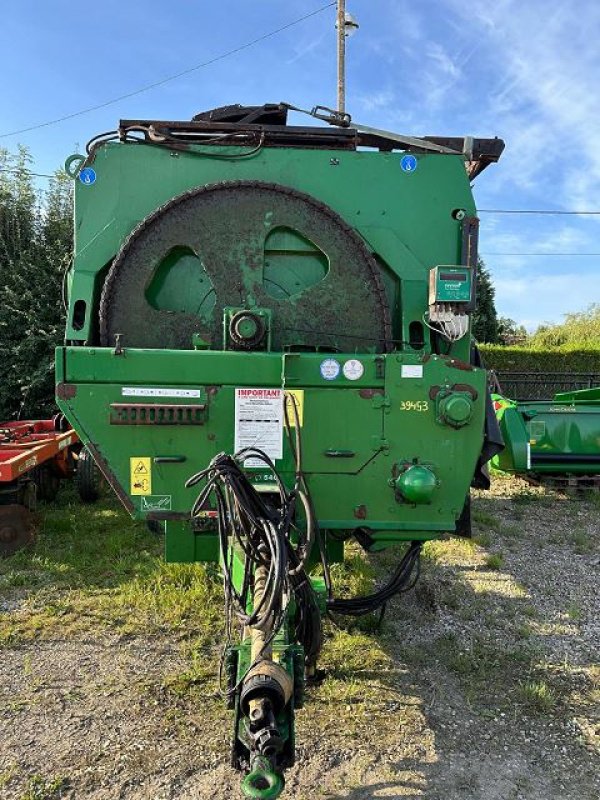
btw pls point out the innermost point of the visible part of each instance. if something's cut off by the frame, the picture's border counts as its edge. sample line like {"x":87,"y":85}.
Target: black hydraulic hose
{"x":399,"y":583}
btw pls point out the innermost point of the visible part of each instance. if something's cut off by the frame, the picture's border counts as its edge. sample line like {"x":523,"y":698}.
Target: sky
{"x":525,"y":70}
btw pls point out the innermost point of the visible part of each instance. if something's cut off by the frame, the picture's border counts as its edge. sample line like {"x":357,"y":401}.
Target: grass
{"x":494,"y":561}
{"x":486,"y":520}
{"x":93,"y":567}
{"x":486,"y":671}
{"x":483,"y":539}
{"x":537,"y":696}
{"x":574,"y":612}
{"x":581,"y":541}
{"x":39,"y":788}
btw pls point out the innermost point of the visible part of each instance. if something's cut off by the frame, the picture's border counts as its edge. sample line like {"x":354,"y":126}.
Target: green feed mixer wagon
{"x":268,"y":354}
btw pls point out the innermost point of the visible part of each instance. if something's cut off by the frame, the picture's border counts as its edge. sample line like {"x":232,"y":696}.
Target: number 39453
{"x":414,"y":405}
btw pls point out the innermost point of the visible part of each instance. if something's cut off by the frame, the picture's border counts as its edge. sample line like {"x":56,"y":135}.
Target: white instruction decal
{"x":149,"y":391}
{"x":259,"y":422}
{"x":156,"y":502}
{"x":412,"y":371}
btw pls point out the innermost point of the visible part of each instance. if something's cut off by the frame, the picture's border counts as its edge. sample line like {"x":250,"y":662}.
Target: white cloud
{"x":545,"y":91}
{"x":444,"y":62}
{"x":531,"y":302}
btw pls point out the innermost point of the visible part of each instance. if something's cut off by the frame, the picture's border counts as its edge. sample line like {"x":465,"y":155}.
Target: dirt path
{"x":483,"y":684}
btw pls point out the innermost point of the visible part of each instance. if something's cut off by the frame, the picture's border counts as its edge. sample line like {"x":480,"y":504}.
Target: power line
{"x":566,"y":255}
{"x":16,"y":171}
{"x":538,"y":211}
{"x":170,"y":77}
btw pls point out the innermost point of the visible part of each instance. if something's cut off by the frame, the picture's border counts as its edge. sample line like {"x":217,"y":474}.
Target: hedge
{"x":529,"y":360}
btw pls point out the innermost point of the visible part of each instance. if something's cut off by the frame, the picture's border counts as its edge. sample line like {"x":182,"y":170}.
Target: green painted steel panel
{"x":358,"y":435}
{"x":388,"y":423}
{"x":393,"y":211}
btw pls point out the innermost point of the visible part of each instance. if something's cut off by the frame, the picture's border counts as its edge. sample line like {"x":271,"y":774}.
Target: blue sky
{"x":526,"y":71}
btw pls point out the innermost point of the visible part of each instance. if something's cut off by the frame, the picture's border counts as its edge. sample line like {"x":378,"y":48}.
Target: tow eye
{"x":262,"y":782}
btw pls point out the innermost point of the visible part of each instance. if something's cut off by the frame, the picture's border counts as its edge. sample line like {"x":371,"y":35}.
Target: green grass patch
{"x":39,"y":788}
{"x":512,"y":531}
{"x":93,"y":568}
{"x":488,"y":673}
{"x":494,"y":561}
{"x":487,"y":520}
{"x":537,"y":696}
{"x":582,"y":542}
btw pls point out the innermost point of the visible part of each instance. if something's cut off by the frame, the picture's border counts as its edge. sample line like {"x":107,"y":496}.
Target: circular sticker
{"x":330,"y":369}
{"x":408,"y":163}
{"x":353,"y":369}
{"x":87,"y":176}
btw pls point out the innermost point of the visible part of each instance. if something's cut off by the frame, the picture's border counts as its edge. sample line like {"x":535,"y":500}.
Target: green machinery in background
{"x":268,"y":353}
{"x":551,"y":437}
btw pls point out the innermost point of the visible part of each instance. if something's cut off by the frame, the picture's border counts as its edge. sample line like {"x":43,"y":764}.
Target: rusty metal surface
{"x":157,"y":414}
{"x":175,"y":134}
{"x":226,"y":226}
{"x":17,"y":529}
{"x":484,"y":151}
{"x":65,"y":391}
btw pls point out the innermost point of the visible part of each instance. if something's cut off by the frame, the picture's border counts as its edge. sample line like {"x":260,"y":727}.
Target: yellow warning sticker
{"x":295,"y":396}
{"x":140,"y":468}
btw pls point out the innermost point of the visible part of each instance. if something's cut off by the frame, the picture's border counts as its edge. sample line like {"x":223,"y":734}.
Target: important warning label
{"x":140,"y":468}
{"x":259,"y":422}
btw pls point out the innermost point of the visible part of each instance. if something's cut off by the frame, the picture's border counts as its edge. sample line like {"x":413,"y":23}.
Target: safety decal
{"x":156,"y":502}
{"x":330,"y":369}
{"x":140,"y":468}
{"x":295,"y":397}
{"x":537,"y":430}
{"x":259,"y":422}
{"x":353,"y":369}
{"x":87,"y":176}
{"x":408,"y":163}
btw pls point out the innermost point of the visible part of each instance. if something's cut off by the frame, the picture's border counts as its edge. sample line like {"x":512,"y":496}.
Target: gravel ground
{"x":483,"y":684}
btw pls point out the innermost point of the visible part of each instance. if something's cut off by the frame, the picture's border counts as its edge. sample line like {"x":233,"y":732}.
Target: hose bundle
{"x":262,"y":527}
{"x":403,"y":579}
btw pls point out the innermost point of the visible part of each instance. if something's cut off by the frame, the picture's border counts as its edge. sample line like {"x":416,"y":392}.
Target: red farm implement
{"x":34,"y":456}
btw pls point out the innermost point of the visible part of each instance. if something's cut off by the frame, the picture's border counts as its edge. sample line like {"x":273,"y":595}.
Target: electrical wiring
{"x":452,"y":330}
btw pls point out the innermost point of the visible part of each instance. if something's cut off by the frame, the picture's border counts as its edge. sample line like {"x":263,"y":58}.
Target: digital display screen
{"x":453,"y":276}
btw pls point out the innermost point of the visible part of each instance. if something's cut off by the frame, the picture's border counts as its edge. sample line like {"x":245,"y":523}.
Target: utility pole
{"x":341,"y":55}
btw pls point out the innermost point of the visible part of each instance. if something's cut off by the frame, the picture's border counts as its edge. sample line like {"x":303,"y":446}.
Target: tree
{"x":35,"y":246}
{"x":485,"y":316}
{"x":579,"y":328}
{"x":510,"y":332}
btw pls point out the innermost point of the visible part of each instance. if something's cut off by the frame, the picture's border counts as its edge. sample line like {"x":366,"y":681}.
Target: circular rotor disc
{"x":17,"y":529}
{"x":225,"y":227}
